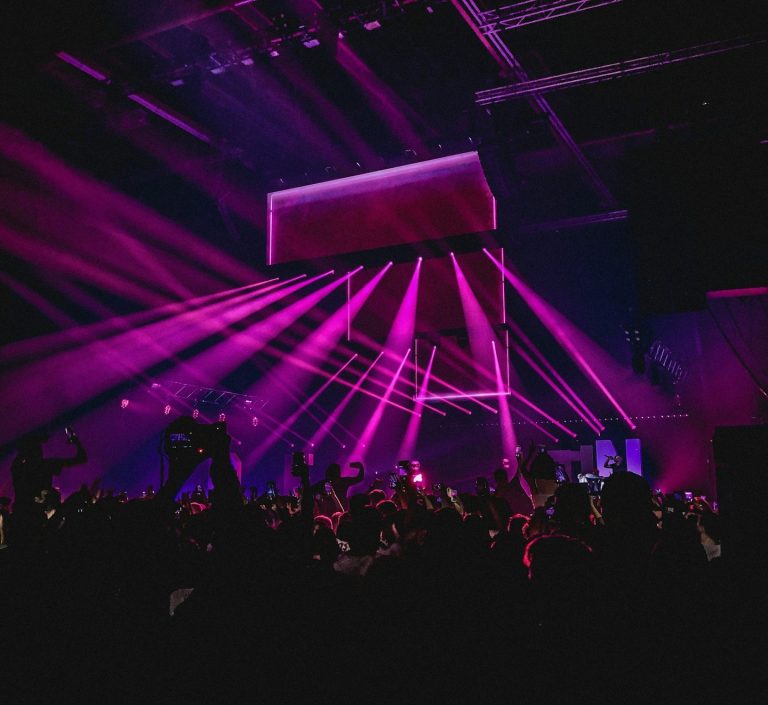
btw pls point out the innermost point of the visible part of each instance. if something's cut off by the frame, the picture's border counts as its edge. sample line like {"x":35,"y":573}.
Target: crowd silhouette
{"x":352,"y":592}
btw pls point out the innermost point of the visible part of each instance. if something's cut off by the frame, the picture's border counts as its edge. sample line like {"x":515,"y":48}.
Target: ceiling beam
{"x":471,"y":14}
{"x":609,"y":72}
{"x":521,"y":14}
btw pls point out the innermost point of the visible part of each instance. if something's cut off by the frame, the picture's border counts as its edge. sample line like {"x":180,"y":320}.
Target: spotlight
{"x":246,"y":61}
{"x":255,"y":421}
{"x":195,"y":413}
{"x":124,"y":403}
{"x":374,"y":24}
{"x":167,"y":410}
{"x":222,"y":417}
{"x":310,"y":42}
{"x":218,"y":70}
{"x":177,"y":82}
{"x":274,"y":53}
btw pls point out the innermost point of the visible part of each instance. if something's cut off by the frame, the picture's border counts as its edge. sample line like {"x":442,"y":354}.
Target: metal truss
{"x":520,"y":14}
{"x":608,"y":72}
{"x":195,"y":394}
{"x":472,"y":14}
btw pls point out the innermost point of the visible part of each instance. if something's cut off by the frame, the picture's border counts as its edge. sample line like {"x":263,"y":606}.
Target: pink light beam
{"x":563,"y":331}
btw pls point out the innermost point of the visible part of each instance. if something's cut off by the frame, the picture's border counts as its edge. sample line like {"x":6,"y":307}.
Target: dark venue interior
{"x":404,"y":351}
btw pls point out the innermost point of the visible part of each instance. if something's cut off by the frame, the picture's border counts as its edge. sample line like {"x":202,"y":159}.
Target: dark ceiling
{"x":387,"y":82}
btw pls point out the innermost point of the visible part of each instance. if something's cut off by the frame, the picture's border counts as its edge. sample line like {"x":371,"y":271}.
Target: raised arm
{"x":81,"y":456}
{"x":360,"y":472}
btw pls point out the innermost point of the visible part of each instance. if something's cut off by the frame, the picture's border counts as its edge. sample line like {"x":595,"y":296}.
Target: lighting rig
{"x":213,"y":401}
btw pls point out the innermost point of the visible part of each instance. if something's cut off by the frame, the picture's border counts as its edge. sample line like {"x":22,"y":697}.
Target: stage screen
{"x":407,"y":204}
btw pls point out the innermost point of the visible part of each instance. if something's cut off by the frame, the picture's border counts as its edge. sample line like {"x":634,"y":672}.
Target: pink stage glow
{"x":404,"y":326}
{"x":337,"y":412}
{"x":407,"y":204}
{"x":213,"y":364}
{"x":163,"y":260}
{"x":508,"y":439}
{"x":372,"y":426}
{"x":384,"y":383}
{"x":479,"y":331}
{"x":535,"y":424}
{"x":81,"y":373}
{"x":564,"y":332}
{"x":55,"y":342}
{"x":538,"y":410}
{"x":408,"y":445}
{"x":319,"y":343}
{"x":285,"y":425}
{"x":557,"y":389}
{"x":556,"y":375}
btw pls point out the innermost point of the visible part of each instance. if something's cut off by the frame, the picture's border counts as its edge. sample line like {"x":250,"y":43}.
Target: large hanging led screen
{"x":408,"y":204}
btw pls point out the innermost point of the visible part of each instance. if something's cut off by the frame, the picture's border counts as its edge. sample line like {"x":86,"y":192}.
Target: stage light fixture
{"x":255,"y":421}
{"x":195,"y":413}
{"x":310,"y":42}
{"x":373,"y":24}
{"x":167,"y":410}
{"x":222,"y":417}
{"x":124,"y":403}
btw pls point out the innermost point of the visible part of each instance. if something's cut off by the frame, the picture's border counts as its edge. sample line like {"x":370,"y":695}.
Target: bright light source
{"x":222,"y":417}
{"x":311,"y":42}
{"x":374,"y":24}
{"x":195,"y":413}
{"x":247,"y":61}
{"x":418,"y":479}
{"x":167,"y":410}
{"x":217,"y":70}
{"x":176,"y":82}
{"x":124,"y":403}
{"x":274,"y":53}
{"x":255,"y":421}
